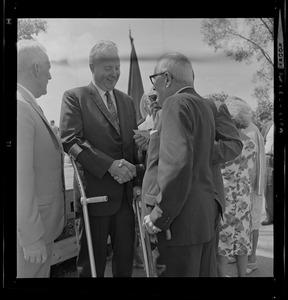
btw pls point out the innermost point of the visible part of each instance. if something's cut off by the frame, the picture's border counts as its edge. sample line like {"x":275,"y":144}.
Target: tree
{"x":243,"y":40}
{"x":263,"y":112}
{"x":27,"y":28}
{"x":217,"y":96}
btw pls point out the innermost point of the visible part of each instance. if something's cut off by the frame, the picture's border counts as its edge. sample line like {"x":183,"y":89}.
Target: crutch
{"x":85,"y":201}
{"x":145,"y":240}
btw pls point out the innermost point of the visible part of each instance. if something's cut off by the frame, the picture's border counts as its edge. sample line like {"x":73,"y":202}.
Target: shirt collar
{"x":101,"y":92}
{"x":28,"y":92}
{"x":184,"y":88}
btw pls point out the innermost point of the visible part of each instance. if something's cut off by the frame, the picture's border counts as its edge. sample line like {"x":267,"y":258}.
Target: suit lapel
{"x":99,"y":102}
{"x":37,"y":108}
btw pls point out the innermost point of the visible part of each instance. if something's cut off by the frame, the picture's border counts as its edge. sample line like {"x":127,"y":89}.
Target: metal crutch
{"x":145,"y":240}
{"x":85,"y":201}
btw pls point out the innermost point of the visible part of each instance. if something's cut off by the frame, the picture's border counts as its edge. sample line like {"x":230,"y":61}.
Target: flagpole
{"x":130,"y":36}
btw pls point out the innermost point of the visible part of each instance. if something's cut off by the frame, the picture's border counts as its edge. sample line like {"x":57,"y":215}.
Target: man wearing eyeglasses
{"x":185,"y":202}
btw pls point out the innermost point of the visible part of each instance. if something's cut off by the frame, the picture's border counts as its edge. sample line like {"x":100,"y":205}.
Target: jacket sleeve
{"x":73,"y":139}
{"x":227,"y":144}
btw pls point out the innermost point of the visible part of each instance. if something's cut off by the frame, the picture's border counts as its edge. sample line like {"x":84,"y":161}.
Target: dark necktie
{"x":112,"y":110}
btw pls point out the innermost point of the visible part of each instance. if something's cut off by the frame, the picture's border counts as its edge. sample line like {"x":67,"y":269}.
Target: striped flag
{"x":135,"y":85}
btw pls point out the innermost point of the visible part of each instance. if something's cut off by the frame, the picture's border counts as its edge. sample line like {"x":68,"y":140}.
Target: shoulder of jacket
{"x":78,"y":89}
{"x":22,"y":102}
{"x":121,"y":94}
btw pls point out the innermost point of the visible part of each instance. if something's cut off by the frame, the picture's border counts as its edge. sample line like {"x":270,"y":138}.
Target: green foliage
{"x":221,"y":97}
{"x":240,"y":39}
{"x":263,"y":112}
{"x":27,"y":28}
{"x":243,"y":40}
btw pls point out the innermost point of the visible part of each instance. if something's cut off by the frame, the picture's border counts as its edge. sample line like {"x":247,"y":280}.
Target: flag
{"x":135,"y":85}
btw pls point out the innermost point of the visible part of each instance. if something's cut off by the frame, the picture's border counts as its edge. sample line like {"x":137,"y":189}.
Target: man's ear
{"x":36,"y":69}
{"x":168,"y":80}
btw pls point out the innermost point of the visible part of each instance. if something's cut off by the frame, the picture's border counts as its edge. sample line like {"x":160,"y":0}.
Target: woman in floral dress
{"x":236,"y":225}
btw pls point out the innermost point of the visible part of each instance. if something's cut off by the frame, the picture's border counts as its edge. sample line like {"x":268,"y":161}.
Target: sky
{"x":69,"y":41}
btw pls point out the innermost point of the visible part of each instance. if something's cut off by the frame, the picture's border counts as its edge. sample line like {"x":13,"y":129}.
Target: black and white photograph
{"x":144,"y":147}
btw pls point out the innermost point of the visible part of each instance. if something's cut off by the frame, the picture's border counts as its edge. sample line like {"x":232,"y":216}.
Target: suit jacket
{"x":40,"y":178}
{"x":184,"y":177}
{"x":85,"y":118}
{"x":227,"y":145}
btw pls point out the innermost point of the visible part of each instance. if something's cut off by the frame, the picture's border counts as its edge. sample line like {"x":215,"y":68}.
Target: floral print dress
{"x":236,"y":225}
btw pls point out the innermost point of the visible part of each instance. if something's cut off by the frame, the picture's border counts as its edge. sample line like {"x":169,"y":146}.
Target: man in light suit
{"x":96,"y":128}
{"x":40,"y":180}
{"x":186,"y":203}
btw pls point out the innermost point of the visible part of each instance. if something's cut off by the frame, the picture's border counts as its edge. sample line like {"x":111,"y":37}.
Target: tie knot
{"x":108,"y":95}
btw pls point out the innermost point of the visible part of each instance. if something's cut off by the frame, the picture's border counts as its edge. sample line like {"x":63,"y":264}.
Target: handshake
{"x":122,"y":171}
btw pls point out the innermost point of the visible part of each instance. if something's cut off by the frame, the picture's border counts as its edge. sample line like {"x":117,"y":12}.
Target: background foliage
{"x":244,"y":40}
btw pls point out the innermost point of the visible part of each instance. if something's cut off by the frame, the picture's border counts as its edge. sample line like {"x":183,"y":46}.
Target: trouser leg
{"x":99,"y":235}
{"x":122,"y":238}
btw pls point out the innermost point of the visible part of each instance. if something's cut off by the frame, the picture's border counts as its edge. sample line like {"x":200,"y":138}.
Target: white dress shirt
{"x":103,"y":96}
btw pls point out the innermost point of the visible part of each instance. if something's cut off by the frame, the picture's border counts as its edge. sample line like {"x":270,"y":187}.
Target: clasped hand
{"x":36,"y":252}
{"x":122,"y":171}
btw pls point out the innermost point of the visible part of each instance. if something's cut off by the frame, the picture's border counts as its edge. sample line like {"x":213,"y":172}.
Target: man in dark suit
{"x":96,"y":128}
{"x":227,"y":146}
{"x":186,"y":203}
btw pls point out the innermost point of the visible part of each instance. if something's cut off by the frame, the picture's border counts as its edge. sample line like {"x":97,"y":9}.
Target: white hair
{"x":179,"y":66}
{"x":102,"y":47}
{"x":29,"y":52}
{"x":240,"y":111}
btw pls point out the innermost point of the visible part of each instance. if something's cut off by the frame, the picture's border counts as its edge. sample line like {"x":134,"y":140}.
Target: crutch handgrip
{"x":94,"y":200}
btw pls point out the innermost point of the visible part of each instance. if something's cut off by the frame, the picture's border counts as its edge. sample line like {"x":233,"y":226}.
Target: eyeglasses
{"x":153,"y":79}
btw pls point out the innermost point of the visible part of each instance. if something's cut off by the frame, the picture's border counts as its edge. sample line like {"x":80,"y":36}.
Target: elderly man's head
{"x":172,"y":72}
{"x":33,"y":67}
